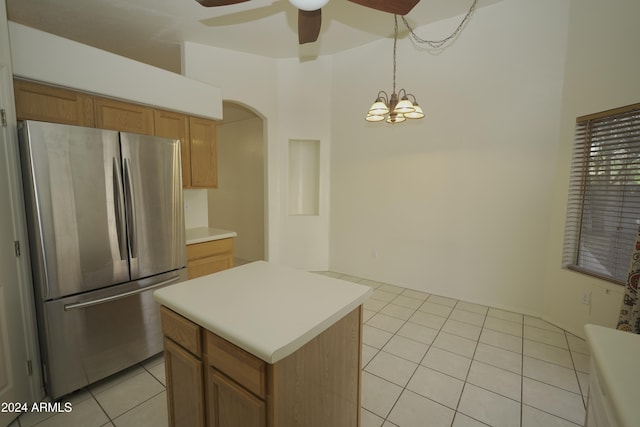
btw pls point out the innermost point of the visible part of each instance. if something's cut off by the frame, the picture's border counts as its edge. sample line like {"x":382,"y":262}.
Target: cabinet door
{"x":52,"y":104}
{"x":176,"y":126}
{"x":204,"y":159}
{"x":185,"y":386}
{"x":230,"y":405}
{"x":123,"y":116}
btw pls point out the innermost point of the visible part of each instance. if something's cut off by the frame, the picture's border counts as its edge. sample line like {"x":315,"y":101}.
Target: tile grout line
{"x":464,"y":385}
{"x":138,"y":405}
{"x":404,"y":387}
{"x":99,"y":405}
{"x":385,"y":418}
{"x":522,"y":355}
{"x":575,"y":369}
{"x":522,"y":375}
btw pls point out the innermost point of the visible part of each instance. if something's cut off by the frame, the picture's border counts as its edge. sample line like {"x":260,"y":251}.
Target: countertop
{"x":266,"y":309}
{"x":206,"y":234}
{"x":615,"y":355}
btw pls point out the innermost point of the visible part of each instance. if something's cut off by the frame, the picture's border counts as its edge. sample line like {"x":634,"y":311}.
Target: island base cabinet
{"x":317,"y":385}
{"x":230,"y":405}
{"x":184,"y":386}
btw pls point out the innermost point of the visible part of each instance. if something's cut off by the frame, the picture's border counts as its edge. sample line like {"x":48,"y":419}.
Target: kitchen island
{"x":263,"y":345}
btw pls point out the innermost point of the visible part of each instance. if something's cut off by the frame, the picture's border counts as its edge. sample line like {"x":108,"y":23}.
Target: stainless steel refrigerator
{"x":106,"y":227}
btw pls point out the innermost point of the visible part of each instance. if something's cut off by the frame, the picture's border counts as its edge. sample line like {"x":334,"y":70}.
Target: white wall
{"x":196,"y":212}
{"x":602,"y":69}
{"x":248,"y":80}
{"x":294,"y":100}
{"x":305,"y":111}
{"x":238,"y":202}
{"x":458,"y":203}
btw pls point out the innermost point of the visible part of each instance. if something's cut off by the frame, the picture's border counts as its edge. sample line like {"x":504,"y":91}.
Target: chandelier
{"x":398,"y":106}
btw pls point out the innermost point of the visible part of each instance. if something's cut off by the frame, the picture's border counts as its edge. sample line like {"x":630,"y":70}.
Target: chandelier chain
{"x":395,"y":43}
{"x":437,"y":44}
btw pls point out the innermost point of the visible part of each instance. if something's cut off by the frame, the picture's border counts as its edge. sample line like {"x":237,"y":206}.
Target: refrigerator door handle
{"x":85,"y":304}
{"x":119,"y":210}
{"x":131,"y":209}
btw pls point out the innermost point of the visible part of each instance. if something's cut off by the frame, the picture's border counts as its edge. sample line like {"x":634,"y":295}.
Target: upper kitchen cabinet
{"x":197,"y":135}
{"x":123,"y":116}
{"x":52,"y":104}
{"x":176,"y":126}
{"x":204,"y":169}
{"x":198,"y":138}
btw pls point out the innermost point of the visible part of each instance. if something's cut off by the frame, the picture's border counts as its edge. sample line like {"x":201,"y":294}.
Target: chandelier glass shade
{"x":398,"y":106}
{"x":308,"y":5}
{"x":395,"y":108}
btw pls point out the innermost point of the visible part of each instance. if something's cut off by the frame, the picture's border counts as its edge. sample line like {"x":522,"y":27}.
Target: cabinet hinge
{"x":3,"y":118}
{"x":16,"y":247}
{"x":29,"y":368}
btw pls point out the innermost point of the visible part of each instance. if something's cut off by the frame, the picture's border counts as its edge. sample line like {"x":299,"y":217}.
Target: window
{"x":603,"y":213}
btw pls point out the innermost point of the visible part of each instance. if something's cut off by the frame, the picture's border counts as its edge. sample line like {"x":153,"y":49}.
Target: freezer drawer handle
{"x":68,"y":307}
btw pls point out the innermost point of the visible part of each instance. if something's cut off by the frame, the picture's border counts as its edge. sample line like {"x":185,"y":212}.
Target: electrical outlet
{"x":586,"y":298}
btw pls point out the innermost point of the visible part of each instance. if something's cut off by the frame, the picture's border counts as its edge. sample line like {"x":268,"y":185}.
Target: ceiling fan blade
{"x":309,"y":25}
{"x":397,"y":7}
{"x":214,"y":3}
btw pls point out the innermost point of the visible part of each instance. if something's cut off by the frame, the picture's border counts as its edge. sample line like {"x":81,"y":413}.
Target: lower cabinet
{"x":316,"y":386}
{"x":209,"y":257}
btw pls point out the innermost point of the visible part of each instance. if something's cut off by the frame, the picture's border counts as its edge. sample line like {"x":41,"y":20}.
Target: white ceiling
{"x":151,"y":31}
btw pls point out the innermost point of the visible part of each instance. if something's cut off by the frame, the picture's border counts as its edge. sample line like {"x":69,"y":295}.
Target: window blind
{"x":603,"y":213}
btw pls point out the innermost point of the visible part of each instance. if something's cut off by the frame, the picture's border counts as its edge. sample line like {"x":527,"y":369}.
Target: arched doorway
{"x":239,"y":202}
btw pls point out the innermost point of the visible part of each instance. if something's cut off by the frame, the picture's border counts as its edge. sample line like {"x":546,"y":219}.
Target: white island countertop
{"x":206,"y":234}
{"x":268,"y":310}
{"x":615,"y":355}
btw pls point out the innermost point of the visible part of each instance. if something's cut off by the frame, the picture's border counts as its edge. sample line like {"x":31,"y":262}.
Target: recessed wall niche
{"x":304,"y":177}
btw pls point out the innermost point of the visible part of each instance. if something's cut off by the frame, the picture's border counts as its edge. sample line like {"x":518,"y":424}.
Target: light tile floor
{"x":428,"y":360}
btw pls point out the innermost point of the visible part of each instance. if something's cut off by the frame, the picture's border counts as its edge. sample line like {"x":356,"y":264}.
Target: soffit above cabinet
{"x":54,"y":60}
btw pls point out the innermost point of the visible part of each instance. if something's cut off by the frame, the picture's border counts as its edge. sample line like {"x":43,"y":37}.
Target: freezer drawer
{"x":91,"y":336}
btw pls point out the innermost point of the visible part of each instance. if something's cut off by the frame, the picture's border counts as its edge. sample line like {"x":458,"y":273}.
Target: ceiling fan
{"x":310,"y":14}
